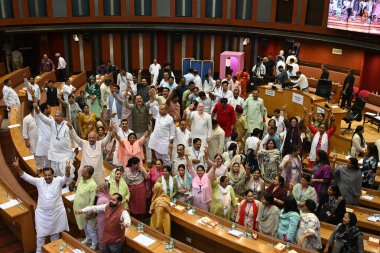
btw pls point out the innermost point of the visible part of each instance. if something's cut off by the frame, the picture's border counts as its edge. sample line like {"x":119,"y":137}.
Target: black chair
{"x":354,"y":114}
{"x":324,"y":87}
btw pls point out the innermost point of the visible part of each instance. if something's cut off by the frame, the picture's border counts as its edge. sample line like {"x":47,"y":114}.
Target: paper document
{"x":9,"y":204}
{"x":65,"y":190}
{"x":30,"y":157}
{"x":70,"y":197}
{"x":235,"y":233}
{"x":144,"y":240}
{"x":13,"y":126}
{"x":367,"y":197}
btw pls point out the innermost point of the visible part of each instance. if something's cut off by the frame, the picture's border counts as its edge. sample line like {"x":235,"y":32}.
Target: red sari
{"x":242,"y":213}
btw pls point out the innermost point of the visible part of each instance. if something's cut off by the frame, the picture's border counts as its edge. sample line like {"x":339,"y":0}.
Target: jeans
{"x":114,"y":247}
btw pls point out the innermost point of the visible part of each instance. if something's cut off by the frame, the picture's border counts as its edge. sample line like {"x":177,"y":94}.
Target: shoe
{"x":150,"y":165}
{"x":86,"y":241}
{"x":94,"y":246}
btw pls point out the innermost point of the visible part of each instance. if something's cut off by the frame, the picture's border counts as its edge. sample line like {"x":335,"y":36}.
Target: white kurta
{"x":198,"y":155}
{"x":50,"y":214}
{"x":30,"y":131}
{"x":180,"y":138}
{"x":44,"y":135}
{"x":164,"y":131}
{"x":216,"y":143}
{"x":200,"y":126}
{"x":92,"y":156}
{"x":60,"y":141}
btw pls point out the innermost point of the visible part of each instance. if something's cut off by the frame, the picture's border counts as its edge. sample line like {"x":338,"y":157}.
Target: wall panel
{"x":87,"y":52}
{"x":117,"y":52}
{"x":105,"y":46}
{"x":75,"y":63}
{"x":134,"y":56}
{"x":147,"y":54}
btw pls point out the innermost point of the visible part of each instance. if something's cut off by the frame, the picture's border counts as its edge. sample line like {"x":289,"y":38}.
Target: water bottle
{"x":174,"y":201}
{"x":167,"y":246}
{"x":171,"y":245}
{"x":61,"y":248}
{"x":233,"y":226}
{"x":141,"y":227}
{"x":348,"y":153}
{"x":287,"y":248}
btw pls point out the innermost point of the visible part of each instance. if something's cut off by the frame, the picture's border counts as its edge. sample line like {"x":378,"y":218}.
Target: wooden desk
{"x":158,"y":246}
{"x":69,"y":244}
{"x":338,"y":112}
{"x":362,"y":215}
{"x":326,"y":230}
{"x":19,"y":218}
{"x":285,"y":96}
{"x":185,"y":228}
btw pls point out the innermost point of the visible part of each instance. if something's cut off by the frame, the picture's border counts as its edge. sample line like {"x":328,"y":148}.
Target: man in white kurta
{"x":163,"y":134}
{"x":216,"y":143}
{"x":92,"y":153}
{"x":255,"y":111}
{"x":30,"y":132}
{"x":50,"y":214}
{"x":182,"y":136}
{"x":201,"y":125}
{"x":60,"y":149}
{"x":43,"y":143}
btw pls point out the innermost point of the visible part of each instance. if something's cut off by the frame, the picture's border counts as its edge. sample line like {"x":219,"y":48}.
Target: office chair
{"x":354,"y":114}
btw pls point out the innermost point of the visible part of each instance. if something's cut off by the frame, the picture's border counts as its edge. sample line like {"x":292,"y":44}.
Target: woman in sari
{"x":160,"y":209}
{"x":332,"y":207}
{"x":117,"y":184}
{"x":291,"y":167}
{"x":132,"y":147}
{"x":72,"y":111}
{"x":247,"y":211}
{"x":346,"y":236}
{"x":156,"y":172}
{"x":269,"y":160}
{"x":321,"y":174}
{"x":86,"y":122}
{"x":303,"y":191}
{"x":169,"y":183}
{"x":278,"y":190}
{"x":93,"y":96}
{"x":293,"y":133}
{"x":184,"y":184}
{"x":201,"y":186}
{"x":231,"y":152}
{"x":236,"y":177}
{"x":254,"y":183}
{"x":267,"y":217}
{"x":223,"y":201}
{"x":135,"y":176}
{"x":309,"y":230}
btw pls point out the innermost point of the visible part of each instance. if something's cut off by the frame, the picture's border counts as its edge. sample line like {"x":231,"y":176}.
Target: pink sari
{"x":201,"y":190}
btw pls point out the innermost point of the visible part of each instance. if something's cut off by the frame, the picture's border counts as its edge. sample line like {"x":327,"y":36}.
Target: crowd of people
{"x":206,"y":144}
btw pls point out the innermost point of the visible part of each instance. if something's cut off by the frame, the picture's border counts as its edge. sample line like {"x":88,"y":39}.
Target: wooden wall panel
{"x":105,"y":45}
{"x":162,"y":48}
{"x":117,"y":49}
{"x":177,"y":45}
{"x":217,"y":51}
{"x":206,"y":47}
{"x":75,"y":63}
{"x":318,"y":52}
{"x":87,"y":52}
{"x":135,"y":50}
{"x":147,"y":55}
{"x":189,"y":45}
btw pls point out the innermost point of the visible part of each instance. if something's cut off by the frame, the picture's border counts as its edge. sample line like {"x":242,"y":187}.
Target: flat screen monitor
{"x":355,"y":15}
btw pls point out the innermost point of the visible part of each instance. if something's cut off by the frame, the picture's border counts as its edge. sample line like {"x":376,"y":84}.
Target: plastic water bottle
{"x":141,"y":227}
{"x":287,"y":248}
{"x":167,"y":246}
{"x":171,"y":245}
{"x":348,"y":153}
{"x":61,"y":248}
{"x":174,"y":201}
{"x":233,"y":226}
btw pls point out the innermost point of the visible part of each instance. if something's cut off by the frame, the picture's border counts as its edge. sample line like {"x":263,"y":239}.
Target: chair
{"x":354,"y":114}
{"x":364,"y":94}
{"x":324,"y":88}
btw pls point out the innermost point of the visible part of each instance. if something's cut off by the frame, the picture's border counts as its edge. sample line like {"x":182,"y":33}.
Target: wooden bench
{"x":187,"y":228}
{"x":326,"y":230}
{"x":362,"y":214}
{"x":19,"y":218}
{"x":68,"y":244}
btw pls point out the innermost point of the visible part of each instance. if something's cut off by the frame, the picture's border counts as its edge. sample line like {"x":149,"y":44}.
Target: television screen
{"x":355,"y":15}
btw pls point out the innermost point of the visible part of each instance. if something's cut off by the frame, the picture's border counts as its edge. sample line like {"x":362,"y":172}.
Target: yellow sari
{"x":160,"y":209}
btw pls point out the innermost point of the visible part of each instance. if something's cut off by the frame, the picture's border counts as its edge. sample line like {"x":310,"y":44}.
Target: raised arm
{"x":91,"y":209}
{"x":74,"y":135}
{"x":28,"y":178}
{"x":189,"y":164}
{"x":118,"y":99}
